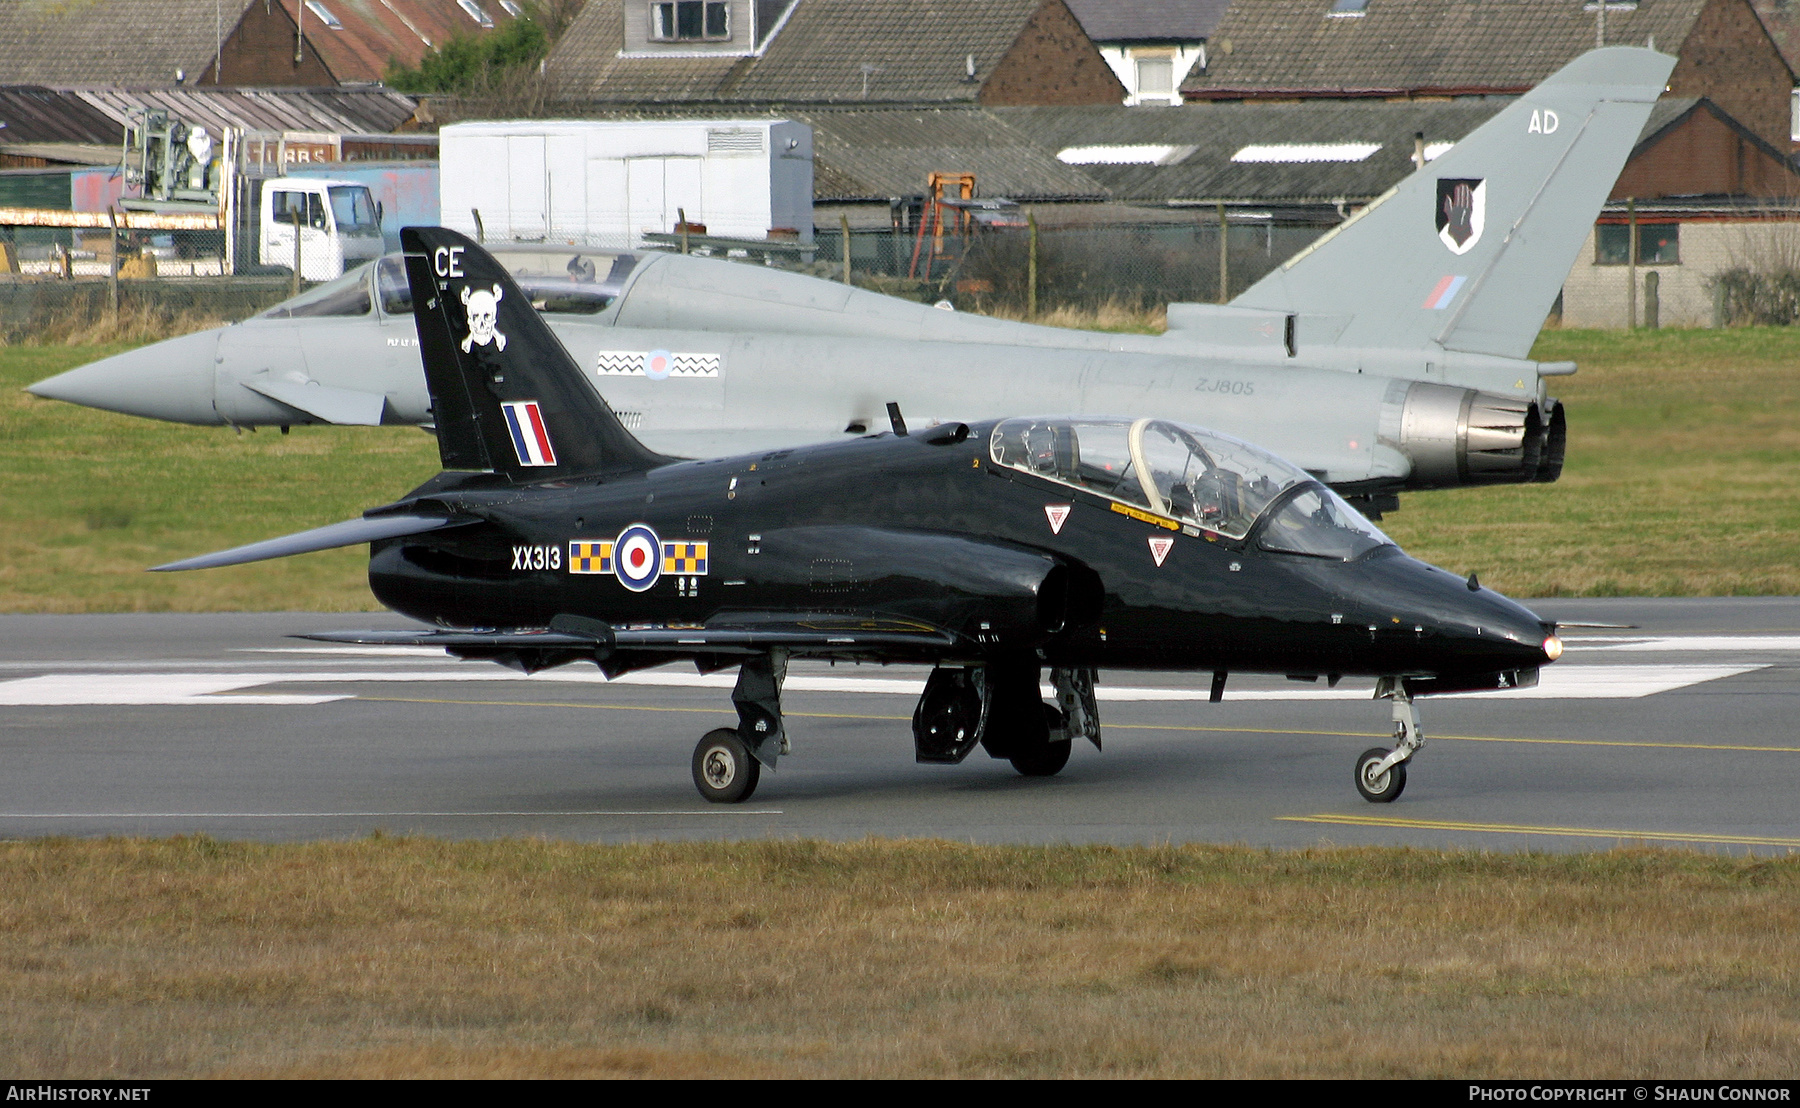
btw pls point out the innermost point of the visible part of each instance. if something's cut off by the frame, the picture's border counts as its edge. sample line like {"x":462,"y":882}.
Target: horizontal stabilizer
{"x":348,"y":533}
{"x":350,"y":407}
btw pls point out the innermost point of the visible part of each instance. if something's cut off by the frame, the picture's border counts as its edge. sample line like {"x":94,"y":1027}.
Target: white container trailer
{"x":609,"y":183}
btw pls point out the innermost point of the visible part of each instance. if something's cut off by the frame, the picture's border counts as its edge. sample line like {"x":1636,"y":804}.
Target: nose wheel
{"x":1381,"y":773}
{"x":1379,"y":785}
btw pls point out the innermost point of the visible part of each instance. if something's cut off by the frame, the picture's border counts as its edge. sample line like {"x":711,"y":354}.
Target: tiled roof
{"x":829,"y":52}
{"x":133,"y":42}
{"x":1782,"y":20}
{"x":144,"y":42}
{"x":375,"y":31}
{"x":1148,"y":20}
{"x":1271,"y":47}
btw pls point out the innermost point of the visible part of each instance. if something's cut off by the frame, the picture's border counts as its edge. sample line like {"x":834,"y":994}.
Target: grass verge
{"x":1684,"y":450}
{"x":398,"y":957}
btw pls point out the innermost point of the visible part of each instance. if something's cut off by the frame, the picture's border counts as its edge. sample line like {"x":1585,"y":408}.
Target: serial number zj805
{"x":1227,"y":388}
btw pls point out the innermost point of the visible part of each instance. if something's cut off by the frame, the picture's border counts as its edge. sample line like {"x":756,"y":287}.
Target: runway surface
{"x":1677,"y":731}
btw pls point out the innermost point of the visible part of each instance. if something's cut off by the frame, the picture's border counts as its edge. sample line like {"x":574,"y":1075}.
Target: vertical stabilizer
{"x":1470,"y":251}
{"x":505,"y":394}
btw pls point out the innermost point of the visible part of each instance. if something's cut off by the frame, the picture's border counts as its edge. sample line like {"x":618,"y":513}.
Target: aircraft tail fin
{"x":505,"y":394}
{"x":1473,"y":248}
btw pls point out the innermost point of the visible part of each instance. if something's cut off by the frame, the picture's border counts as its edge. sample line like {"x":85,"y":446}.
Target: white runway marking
{"x":1677,"y":644}
{"x":376,"y":815}
{"x":73,"y":689}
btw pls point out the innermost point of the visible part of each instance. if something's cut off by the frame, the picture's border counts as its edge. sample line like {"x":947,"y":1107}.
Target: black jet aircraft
{"x":991,"y":551}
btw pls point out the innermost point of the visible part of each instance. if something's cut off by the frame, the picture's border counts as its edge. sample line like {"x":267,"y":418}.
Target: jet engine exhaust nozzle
{"x":1457,"y":436}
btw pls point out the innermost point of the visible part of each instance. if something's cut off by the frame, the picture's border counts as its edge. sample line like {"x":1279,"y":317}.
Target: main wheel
{"x":1044,"y":759}
{"x":1379,"y":788}
{"x":725,"y":771}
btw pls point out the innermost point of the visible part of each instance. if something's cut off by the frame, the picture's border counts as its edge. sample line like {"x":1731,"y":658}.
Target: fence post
{"x":1031,"y":268}
{"x":112,"y":270}
{"x":844,"y":242}
{"x":295,"y":289}
{"x":681,"y":214}
{"x":1652,"y":300}
{"x":1224,"y":257}
{"x":1631,"y":232}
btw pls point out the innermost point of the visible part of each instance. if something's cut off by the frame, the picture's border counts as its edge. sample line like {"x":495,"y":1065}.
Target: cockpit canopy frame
{"x":1200,"y":479}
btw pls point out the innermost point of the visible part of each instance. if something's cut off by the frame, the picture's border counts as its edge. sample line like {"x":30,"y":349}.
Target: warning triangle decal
{"x":1160,"y":547}
{"x":1056,"y":513}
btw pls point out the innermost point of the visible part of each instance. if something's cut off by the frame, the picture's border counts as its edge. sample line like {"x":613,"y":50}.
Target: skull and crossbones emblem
{"x":482,"y":309}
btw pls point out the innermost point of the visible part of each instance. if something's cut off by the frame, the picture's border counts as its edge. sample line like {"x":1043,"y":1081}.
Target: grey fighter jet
{"x":1389,"y":355}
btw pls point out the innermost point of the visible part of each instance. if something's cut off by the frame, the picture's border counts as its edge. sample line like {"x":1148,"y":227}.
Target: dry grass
{"x":136,"y":323}
{"x":1684,"y":446}
{"x":1683,"y":452}
{"x":1114,"y":315}
{"x":390,"y":958}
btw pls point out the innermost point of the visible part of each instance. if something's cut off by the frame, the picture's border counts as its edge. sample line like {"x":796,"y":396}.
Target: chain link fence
{"x":69,"y":285}
{"x":1126,"y":267}
{"x":78,"y":284}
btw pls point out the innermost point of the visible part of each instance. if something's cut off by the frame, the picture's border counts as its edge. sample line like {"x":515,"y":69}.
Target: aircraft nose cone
{"x":1442,"y":624}
{"x":170,"y":380}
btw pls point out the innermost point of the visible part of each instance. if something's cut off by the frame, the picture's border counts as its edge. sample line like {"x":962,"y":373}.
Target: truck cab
{"x":338,"y":222}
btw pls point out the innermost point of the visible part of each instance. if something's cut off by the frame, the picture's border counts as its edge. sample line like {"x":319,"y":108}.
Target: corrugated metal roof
{"x":876,"y":154}
{"x":99,"y":115}
{"x":33,"y":114}
{"x":1210,"y":134}
{"x":1272,"y":47}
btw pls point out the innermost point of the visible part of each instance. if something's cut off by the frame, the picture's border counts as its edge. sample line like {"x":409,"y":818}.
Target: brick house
{"x":1297,"y":49}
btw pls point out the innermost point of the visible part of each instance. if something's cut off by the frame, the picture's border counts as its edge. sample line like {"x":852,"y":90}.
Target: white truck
{"x":339,"y":224}
{"x":609,"y":183}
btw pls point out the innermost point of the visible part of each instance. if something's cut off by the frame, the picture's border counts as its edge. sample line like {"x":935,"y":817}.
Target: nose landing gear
{"x":1381,"y":773}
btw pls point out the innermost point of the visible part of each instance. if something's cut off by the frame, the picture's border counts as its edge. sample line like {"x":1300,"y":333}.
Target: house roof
{"x":1148,"y":20}
{"x":134,"y":42}
{"x":828,"y":52}
{"x":1295,"y":47}
{"x":144,"y":42}
{"x":377,"y":31}
{"x":99,"y":115}
{"x":1203,"y":137}
{"x":873,"y":154}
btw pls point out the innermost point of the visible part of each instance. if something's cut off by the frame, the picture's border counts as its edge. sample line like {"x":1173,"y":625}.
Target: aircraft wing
{"x":740,"y":633}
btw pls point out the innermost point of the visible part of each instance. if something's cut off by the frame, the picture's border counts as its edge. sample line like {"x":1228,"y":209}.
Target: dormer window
{"x":474,"y":11}
{"x":1348,"y":9}
{"x":690,"y":21}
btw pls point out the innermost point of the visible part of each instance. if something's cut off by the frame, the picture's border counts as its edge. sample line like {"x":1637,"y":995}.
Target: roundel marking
{"x":658,"y":364}
{"x":637,"y":557}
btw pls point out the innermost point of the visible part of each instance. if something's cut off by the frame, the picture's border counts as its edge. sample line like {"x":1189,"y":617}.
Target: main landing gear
{"x":1381,"y":773}
{"x":998,"y":707}
{"x":728,"y":763}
